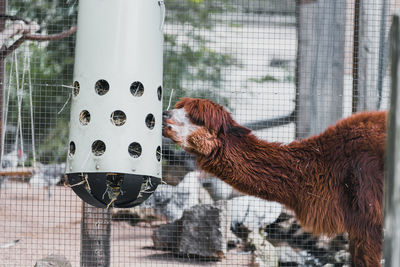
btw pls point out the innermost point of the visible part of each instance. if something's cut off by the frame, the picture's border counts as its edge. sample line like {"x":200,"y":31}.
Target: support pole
{"x":392,"y":179}
{"x":96,"y":235}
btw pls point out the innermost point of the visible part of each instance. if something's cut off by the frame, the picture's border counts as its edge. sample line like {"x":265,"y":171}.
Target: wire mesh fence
{"x":284,"y":69}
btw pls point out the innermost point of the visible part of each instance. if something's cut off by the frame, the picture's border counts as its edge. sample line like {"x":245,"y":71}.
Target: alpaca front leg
{"x":365,"y":252}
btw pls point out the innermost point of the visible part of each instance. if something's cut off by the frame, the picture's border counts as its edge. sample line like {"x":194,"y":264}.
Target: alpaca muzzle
{"x":165,"y":116}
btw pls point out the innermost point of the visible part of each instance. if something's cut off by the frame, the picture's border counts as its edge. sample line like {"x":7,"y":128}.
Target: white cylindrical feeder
{"x":114,"y":156}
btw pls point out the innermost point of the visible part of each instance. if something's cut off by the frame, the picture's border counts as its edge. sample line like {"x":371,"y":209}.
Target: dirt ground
{"x":45,"y":226}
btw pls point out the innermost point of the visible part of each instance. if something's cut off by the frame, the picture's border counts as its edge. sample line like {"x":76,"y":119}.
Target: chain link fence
{"x":285,"y":69}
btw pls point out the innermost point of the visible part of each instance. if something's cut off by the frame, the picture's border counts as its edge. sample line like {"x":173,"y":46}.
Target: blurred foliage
{"x":265,"y":78}
{"x":189,"y":60}
{"x":191,"y":66}
{"x":51,"y":66}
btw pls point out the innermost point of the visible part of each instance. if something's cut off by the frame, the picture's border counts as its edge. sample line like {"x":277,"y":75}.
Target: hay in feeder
{"x":150,"y":121}
{"x":135,"y":150}
{"x":102,"y":87}
{"x":113,"y":190}
{"x":118,"y":118}
{"x":84,"y":117}
{"x":158,"y":153}
{"x":147,"y":187}
{"x":137,"y":89}
{"x":84,"y":182}
{"x":72,"y":148}
{"x":159,"y":93}
{"x":98,"y":148}
{"x":77,"y":88}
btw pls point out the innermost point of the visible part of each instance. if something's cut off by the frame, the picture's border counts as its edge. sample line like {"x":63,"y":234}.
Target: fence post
{"x":95,"y":236}
{"x":367,"y":30}
{"x":320,"y":64}
{"x":392,"y":179}
{"x":3,"y":9}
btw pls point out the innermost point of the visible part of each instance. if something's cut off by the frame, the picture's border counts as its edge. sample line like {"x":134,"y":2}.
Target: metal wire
{"x":285,"y":69}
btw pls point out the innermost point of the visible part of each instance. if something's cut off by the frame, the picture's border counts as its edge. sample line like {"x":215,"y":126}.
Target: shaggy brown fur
{"x":333,"y":182}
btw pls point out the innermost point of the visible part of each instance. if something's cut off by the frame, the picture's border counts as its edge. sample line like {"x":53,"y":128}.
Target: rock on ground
{"x":295,"y":246}
{"x":290,"y":257}
{"x":252,"y":212}
{"x":265,"y":254}
{"x":201,"y":232}
{"x":171,"y":201}
{"x":218,"y":189}
{"x":53,"y":261}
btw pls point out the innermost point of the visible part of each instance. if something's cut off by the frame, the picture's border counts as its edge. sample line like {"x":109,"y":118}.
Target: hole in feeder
{"x":159,"y":92}
{"x":72,"y":148}
{"x":118,"y":118}
{"x":84,"y":117}
{"x":77,"y":88}
{"x":150,"y":121}
{"x":135,"y":150}
{"x":137,"y":89}
{"x":102,"y":87}
{"x":98,"y":148}
{"x":158,"y":153}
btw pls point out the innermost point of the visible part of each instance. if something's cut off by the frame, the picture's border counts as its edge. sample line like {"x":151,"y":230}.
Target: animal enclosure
{"x":284,"y":69}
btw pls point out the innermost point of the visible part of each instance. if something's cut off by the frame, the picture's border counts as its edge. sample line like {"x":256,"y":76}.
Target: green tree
{"x":51,"y":66}
{"x":192,"y":63}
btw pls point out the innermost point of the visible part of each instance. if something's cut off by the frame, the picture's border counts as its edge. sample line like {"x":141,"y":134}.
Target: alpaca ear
{"x":237,"y":130}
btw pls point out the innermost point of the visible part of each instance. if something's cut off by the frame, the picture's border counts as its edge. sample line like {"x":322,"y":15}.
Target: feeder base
{"x":119,"y":190}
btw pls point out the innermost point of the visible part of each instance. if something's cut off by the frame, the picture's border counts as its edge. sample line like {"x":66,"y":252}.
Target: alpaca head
{"x":199,"y":125}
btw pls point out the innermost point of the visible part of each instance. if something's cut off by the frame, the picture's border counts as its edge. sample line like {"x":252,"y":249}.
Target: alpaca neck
{"x":255,"y":167}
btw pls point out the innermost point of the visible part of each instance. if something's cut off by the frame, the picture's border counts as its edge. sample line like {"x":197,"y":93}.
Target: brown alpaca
{"x":333,"y":182}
